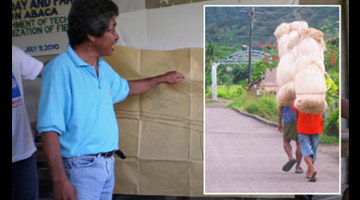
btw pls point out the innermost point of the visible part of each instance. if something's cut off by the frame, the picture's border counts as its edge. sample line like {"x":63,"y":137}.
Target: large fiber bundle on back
{"x":310,"y":85}
{"x":299,"y":26}
{"x":310,"y":88}
{"x":286,"y":94}
{"x":298,"y":29}
{"x":286,"y":68}
{"x":301,"y":70}
{"x":306,"y":61}
{"x":312,"y":43}
{"x":282,"y":36}
{"x":285,"y":72}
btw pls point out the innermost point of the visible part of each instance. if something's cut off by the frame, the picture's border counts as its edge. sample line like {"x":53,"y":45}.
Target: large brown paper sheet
{"x":161,"y":131}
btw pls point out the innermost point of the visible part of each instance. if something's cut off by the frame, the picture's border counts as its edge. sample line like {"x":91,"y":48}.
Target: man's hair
{"x":89,"y":17}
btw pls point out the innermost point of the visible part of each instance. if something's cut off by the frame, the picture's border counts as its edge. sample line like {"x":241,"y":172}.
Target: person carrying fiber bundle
{"x":289,"y":130}
{"x":309,"y":127}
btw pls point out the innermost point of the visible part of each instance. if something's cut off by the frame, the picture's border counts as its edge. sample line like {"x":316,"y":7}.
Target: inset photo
{"x":272,"y":87}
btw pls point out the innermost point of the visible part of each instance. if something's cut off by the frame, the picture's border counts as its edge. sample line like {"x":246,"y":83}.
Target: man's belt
{"x":111,"y":153}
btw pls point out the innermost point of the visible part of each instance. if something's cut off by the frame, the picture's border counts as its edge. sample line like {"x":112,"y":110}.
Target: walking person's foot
{"x":312,"y":177}
{"x":308,"y":174}
{"x":299,"y":170}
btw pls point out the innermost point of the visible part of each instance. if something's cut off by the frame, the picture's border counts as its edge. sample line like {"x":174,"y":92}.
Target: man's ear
{"x":91,"y":38}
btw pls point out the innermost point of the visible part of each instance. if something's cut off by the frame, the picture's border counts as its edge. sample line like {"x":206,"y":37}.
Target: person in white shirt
{"x":24,"y":170}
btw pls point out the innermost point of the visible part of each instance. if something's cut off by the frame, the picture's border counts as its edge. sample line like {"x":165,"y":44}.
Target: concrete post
{"x":214,"y":81}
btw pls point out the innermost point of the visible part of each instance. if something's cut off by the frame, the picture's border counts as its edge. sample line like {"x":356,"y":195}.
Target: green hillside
{"x":229,"y":26}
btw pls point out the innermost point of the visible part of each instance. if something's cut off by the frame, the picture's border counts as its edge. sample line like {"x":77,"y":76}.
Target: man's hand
{"x":141,"y":86}
{"x":280,"y":128}
{"x":64,"y":189}
{"x":173,"y":77}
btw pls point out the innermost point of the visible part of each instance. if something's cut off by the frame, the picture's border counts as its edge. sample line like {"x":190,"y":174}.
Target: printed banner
{"x":39,"y":27}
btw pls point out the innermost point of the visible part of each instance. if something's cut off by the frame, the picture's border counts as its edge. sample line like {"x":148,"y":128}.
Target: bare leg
{"x":311,"y":172}
{"x":298,"y":156}
{"x":288,"y":149}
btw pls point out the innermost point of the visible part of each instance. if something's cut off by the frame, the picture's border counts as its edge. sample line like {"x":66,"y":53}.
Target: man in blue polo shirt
{"x":76,"y":116}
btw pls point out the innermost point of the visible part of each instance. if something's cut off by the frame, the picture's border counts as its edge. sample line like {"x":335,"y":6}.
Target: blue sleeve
{"x":55,"y":98}
{"x":119,"y":87}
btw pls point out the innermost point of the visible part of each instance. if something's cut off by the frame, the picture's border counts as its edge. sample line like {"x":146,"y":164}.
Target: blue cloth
{"x":92,"y":176}
{"x":288,"y":114}
{"x":78,"y":105}
{"x":309,"y":144}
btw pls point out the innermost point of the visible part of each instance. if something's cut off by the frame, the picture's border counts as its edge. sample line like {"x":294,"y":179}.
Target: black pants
{"x":25,"y":184}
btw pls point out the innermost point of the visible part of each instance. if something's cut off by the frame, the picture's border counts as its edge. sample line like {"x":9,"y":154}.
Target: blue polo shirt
{"x":78,"y":105}
{"x":288,"y":114}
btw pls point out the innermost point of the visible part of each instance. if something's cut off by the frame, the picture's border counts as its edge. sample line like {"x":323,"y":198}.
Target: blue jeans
{"x":92,"y":176}
{"x":309,"y":144}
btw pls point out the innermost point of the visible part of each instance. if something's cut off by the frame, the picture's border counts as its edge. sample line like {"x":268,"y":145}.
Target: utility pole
{"x":252,"y":20}
{"x":250,"y":36}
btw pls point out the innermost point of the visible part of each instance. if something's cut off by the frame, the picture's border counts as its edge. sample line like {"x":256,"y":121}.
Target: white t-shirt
{"x":23,"y":67}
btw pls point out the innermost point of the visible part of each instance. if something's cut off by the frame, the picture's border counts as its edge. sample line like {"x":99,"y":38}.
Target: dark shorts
{"x":290,"y":131}
{"x":25,"y":179}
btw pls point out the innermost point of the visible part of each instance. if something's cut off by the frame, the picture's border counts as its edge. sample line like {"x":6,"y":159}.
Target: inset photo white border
{"x":228,"y":176}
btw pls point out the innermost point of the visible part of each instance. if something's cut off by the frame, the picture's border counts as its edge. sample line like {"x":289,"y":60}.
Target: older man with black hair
{"x":76,"y":115}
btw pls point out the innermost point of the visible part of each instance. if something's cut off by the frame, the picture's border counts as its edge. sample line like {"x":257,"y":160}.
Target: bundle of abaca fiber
{"x":285,"y":96}
{"x":285,"y":72}
{"x":282,"y":36}
{"x":301,"y":71}
{"x":311,"y":42}
{"x":297,"y":30}
{"x":287,"y":33}
{"x":309,"y":61}
{"x":310,"y":90}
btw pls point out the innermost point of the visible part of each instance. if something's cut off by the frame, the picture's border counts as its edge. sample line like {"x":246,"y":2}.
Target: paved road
{"x":243,"y":155}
